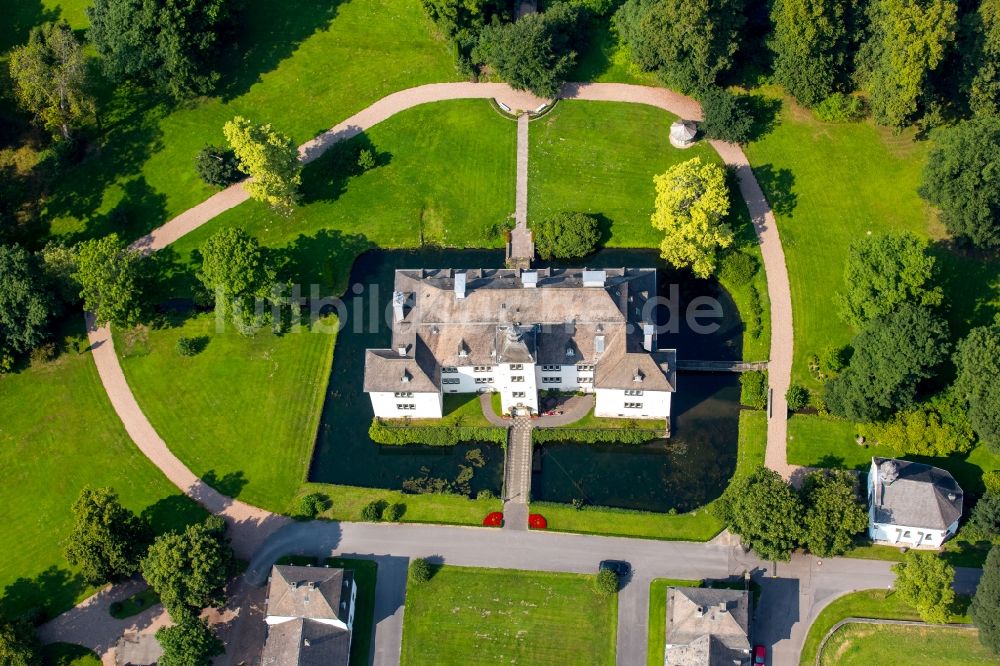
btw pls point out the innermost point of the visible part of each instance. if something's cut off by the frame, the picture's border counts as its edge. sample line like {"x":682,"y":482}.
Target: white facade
{"x":896,"y":488}
{"x":401,"y":404}
{"x":904,"y":535}
{"x":632,"y":404}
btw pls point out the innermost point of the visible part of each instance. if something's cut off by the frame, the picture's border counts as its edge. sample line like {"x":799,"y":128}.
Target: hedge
{"x":596,"y":435}
{"x":444,"y":435}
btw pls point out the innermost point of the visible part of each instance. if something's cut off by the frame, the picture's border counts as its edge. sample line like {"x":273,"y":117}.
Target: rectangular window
{"x":516,"y":366}
{"x":402,"y":394}
{"x":405,"y":406}
{"x":517,"y":378}
{"x":518,"y":394}
{"x":585,"y":368}
{"x":633,"y":392}
{"x":449,"y":369}
{"x":551,"y":380}
{"x":484,"y":380}
{"x":550,"y":368}
{"x":451,"y":380}
{"x":584,"y":380}
{"x":481,"y":368}
{"x":633,"y":405}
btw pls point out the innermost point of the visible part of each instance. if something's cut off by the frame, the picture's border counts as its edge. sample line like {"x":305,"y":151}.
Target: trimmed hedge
{"x":444,"y":435}
{"x":595,"y":435}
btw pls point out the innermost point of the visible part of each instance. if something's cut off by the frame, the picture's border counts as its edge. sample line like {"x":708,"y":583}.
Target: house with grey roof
{"x":517,"y":332}
{"x":309,"y":616}
{"x":912,"y":504}
{"x":706,"y":627}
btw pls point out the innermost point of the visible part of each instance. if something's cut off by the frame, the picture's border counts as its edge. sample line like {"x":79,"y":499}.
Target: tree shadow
{"x":321,"y":259}
{"x":779,"y":185}
{"x":230,"y":485}
{"x":764,"y":111}
{"x":327,"y":177}
{"x":970,"y":280}
{"x":19,"y":18}
{"x":139,"y":211}
{"x":36,"y":600}
{"x":739,"y":219}
{"x":268,"y":32}
{"x":173,"y":514}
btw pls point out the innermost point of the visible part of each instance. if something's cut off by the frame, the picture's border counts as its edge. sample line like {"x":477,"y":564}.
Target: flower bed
{"x":536,"y":521}
{"x":494,"y":519}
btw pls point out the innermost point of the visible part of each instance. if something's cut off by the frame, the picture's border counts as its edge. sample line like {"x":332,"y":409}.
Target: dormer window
{"x":570,"y":352}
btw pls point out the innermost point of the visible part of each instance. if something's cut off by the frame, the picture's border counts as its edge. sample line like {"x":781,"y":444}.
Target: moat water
{"x":683,"y":472}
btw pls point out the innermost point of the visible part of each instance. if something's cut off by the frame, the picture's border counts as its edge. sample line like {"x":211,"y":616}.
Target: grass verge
{"x":656,"y":642}
{"x":365,"y":576}
{"x":863,"y":644}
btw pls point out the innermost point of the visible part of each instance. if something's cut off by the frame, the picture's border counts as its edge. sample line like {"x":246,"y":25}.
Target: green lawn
{"x":699,"y":525}
{"x":589,"y":421}
{"x":365,"y":575}
{"x":67,"y":654}
{"x":135,"y":604}
{"x":459,"y":409}
{"x":656,"y":643}
{"x":348,"y":501}
{"x":59,"y":433}
{"x":864,"y":644}
{"x":499,"y":616}
{"x":302,"y":66}
{"x":878,"y":604}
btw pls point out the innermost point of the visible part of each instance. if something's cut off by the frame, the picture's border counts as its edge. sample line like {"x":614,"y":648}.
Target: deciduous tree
{"x":923,"y":580}
{"x":191,"y":642}
{"x":938,"y":427}
{"x":833,"y":513}
{"x":18,"y":645}
{"x":189,"y":570}
{"x":462,"y":20}
{"x":765,"y":512}
{"x":883,"y":272}
{"x":982,"y":58}
{"x":962,"y":178}
{"x":25,"y":304}
{"x":566,"y":236}
{"x":891,"y":356}
{"x":985,"y":609}
{"x":107,"y":539}
{"x":50,"y":78}
{"x":691,"y":201}
{"x":269,"y":158}
{"x":811,"y":44}
{"x":978,"y":361}
{"x":727,"y":116}
{"x":109,"y":274}
{"x":238,"y":273}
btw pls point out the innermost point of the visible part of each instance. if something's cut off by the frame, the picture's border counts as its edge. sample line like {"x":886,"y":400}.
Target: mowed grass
{"x":877,"y":604}
{"x":864,"y":644}
{"x":498,"y":616}
{"x":58,"y":433}
{"x":347,"y":502}
{"x":698,"y":525}
{"x":656,"y":642}
{"x":302,"y":65}
{"x":68,"y":654}
{"x":365,"y":575}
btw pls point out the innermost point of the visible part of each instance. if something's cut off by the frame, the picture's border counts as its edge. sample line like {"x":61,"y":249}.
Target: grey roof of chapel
{"x":707,"y":626}
{"x":566,"y":319}
{"x":917,"y":496}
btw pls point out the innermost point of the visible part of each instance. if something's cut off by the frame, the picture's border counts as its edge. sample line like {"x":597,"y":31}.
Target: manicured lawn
{"x":604,"y":59}
{"x":58,"y":434}
{"x":67,"y":654}
{"x":878,"y":604}
{"x":461,"y":409}
{"x":591,"y":421}
{"x":864,"y":644}
{"x":656,"y":641}
{"x":135,"y":604}
{"x":699,"y":525}
{"x":348,"y":501}
{"x":499,"y":616}
{"x":302,"y":66}
{"x":365,"y":574}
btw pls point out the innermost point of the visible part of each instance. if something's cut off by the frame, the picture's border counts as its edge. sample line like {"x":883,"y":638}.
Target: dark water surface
{"x":684,"y":472}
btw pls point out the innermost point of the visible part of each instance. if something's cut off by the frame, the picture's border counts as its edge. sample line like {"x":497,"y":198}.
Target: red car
{"x":759,"y":655}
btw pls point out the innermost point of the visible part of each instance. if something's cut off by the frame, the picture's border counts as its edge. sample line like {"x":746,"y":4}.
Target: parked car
{"x":620,"y":568}
{"x":759,"y":655}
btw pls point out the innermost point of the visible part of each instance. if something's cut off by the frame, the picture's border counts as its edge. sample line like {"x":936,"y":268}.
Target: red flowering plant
{"x":536,"y":521}
{"x":493,"y":519}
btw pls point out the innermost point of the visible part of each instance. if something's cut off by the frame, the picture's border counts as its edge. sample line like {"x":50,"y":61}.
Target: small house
{"x":912,"y":504}
{"x":683,"y":133}
{"x":707,"y":627}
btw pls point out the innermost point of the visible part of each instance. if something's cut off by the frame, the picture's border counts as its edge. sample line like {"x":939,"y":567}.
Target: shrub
{"x":366,"y":160}
{"x":187,"y":346}
{"x":394,"y":512}
{"x":727,"y":116}
{"x":577,"y":503}
{"x":840,"y":108}
{"x":420,"y":570}
{"x":797,"y":397}
{"x":753,"y":389}
{"x":217,"y":166}
{"x":606,"y":582}
{"x":486,"y":495}
{"x":596,"y":435}
{"x":399,"y":433}
{"x":566,"y":236}
{"x":44,"y":353}
{"x":834,"y":358}
{"x":738,"y":268}
{"x":991,"y":480}
{"x":313,"y":504}
{"x":495,"y":231}
{"x":372,"y":512}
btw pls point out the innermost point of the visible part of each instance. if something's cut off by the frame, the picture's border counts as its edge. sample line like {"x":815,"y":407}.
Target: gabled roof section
{"x":707,"y":626}
{"x":915,"y":495}
{"x":305,"y":592}
{"x":303,"y":642}
{"x":644,"y":371}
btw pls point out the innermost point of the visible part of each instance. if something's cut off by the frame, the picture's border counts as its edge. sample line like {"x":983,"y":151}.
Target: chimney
{"x":638,"y":376}
{"x":529,"y":279}
{"x":460,"y":286}
{"x":406,"y":377}
{"x":647,"y":337}
{"x":888,"y":472}
{"x":401,"y":349}
{"x":305,"y":642}
{"x":594,"y":278}
{"x":398,"y":300}
{"x":723,"y":608}
{"x":700,"y":611}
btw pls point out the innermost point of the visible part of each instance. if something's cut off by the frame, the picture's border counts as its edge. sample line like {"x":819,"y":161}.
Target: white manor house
{"x":518,"y":332}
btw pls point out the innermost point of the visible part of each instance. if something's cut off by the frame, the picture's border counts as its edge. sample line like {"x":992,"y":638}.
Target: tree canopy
{"x":962,"y":178}
{"x":462,"y":20}
{"x":833,"y":513}
{"x":110,"y":275}
{"x":811,"y":43}
{"x":566,"y":236}
{"x":18,"y":645}
{"x":50,"y":78}
{"x":891,"y":356}
{"x":985,"y":609}
{"x":171,"y":43}
{"x":689,"y":43}
{"x":883,"y":272}
{"x":270,"y":158}
{"x":238,"y":273}
{"x":923,"y":580}
{"x":982,"y":58}
{"x":188,"y":643}
{"x":189,"y":570}
{"x":107,"y":539}
{"x":908,"y":42}
{"x":938,"y":427}
{"x":25,"y":304}
{"x":728,"y":117}
{"x":691,"y":201}
{"x":765,"y":512}
{"x":978,"y":362}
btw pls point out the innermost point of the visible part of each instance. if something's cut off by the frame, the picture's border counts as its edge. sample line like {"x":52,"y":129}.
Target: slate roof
{"x":707,"y":627}
{"x":304,"y":642}
{"x":919,"y":496}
